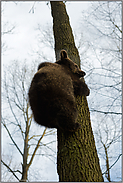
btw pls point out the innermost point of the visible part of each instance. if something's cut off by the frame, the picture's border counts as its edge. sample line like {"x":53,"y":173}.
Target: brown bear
{"x":52,"y":93}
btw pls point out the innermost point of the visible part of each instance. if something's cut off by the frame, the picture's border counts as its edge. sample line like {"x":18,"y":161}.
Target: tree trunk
{"x":107,"y":163}
{"x":77,"y":158}
{"x":25,"y":166}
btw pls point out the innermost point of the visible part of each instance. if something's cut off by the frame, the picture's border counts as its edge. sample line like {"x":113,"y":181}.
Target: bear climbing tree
{"x":77,"y":159}
{"x":52,"y":93}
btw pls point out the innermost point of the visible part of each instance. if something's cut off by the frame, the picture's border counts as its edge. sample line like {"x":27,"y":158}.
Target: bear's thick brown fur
{"x":52,"y":93}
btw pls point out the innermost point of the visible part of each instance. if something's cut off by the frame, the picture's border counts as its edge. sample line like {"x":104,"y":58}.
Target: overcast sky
{"x":23,"y":41}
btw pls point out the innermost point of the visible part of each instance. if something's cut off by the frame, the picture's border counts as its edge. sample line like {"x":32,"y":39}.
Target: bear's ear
{"x":63,"y":54}
{"x":64,"y":60}
{"x":41,"y":65}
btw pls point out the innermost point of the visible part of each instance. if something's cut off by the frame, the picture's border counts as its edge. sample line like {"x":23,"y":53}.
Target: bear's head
{"x":66,"y":62}
{"x":77,"y":75}
{"x":71,"y":69}
{"x":69,"y":64}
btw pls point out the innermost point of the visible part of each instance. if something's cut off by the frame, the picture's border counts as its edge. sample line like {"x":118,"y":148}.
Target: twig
{"x":113,"y":164}
{"x":36,"y":148}
{"x":10,"y":169}
{"x":12,"y":139}
{"x":106,"y":112}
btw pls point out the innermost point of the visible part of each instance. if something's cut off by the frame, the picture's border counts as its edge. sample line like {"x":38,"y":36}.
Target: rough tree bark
{"x":77,"y":158}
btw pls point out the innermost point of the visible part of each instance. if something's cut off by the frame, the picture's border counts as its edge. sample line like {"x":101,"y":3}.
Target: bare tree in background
{"x":25,"y":138}
{"x":104,"y":39}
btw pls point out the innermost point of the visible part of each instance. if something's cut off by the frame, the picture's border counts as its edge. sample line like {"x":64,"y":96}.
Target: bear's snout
{"x":81,"y":73}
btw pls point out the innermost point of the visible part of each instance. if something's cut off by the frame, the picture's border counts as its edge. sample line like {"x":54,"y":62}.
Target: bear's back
{"x":51,"y":78}
{"x":51,"y":95}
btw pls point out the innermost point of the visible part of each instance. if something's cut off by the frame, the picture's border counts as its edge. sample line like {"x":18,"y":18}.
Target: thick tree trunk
{"x":63,"y":33}
{"x":77,"y":158}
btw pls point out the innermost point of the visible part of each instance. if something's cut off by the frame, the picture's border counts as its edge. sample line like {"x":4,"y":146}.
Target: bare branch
{"x":12,"y":139}
{"x":8,"y":98}
{"x":106,"y":112}
{"x":10,"y":169}
{"x":33,"y":137}
{"x":33,"y":7}
{"x":17,"y":171}
{"x":113,"y":163}
{"x":8,"y":31}
{"x":36,"y":148}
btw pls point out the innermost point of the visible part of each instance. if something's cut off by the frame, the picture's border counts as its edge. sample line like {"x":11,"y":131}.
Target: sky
{"x":24,"y":40}
{"x":22,"y":43}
